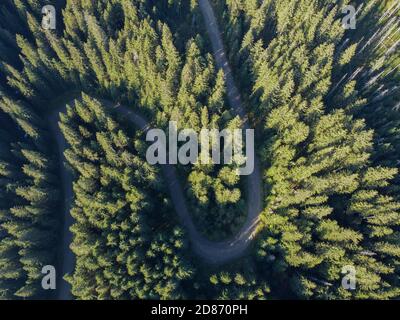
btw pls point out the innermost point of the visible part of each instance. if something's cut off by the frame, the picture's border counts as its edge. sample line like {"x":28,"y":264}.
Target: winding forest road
{"x":213,"y":252}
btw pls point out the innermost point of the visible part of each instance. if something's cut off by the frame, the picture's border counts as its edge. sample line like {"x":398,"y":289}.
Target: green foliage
{"x":123,"y":247}
{"x":325,"y":106}
{"x":29,"y":203}
{"x":333,"y":195}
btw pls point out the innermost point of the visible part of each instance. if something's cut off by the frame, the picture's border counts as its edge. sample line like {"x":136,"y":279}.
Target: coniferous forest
{"x":78,"y":193}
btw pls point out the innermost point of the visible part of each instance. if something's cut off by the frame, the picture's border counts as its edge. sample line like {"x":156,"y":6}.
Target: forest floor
{"x":212,"y":252}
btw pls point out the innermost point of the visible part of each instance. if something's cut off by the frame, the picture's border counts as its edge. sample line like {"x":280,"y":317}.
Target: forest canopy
{"x":75,"y":104}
